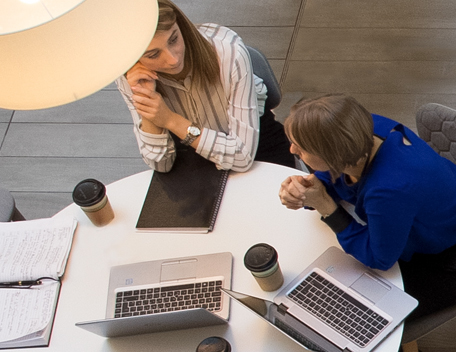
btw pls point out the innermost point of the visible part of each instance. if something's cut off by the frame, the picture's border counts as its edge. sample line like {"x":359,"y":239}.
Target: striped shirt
{"x":227,"y":112}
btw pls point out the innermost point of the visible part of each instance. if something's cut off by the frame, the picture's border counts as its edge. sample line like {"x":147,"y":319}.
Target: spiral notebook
{"x":186,"y":199}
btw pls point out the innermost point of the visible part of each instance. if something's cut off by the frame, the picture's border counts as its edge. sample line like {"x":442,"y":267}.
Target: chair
{"x":436,"y":124}
{"x":262,"y":69}
{"x":419,"y":328}
{"x":8,"y":210}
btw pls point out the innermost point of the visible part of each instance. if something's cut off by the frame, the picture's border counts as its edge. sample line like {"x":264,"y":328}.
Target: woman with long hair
{"x":194,"y":85}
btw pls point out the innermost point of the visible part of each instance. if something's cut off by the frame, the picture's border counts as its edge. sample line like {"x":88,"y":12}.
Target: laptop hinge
{"x":282,"y":309}
{"x":346,"y":349}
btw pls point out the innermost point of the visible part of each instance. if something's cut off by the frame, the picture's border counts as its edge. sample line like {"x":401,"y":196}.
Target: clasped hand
{"x":299,"y":191}
{"x":149,"y":104}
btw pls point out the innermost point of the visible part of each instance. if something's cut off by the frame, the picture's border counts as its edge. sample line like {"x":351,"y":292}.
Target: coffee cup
{"x":214,"y":344}
{"x":262,"y":261}
{"x":91,"y":196}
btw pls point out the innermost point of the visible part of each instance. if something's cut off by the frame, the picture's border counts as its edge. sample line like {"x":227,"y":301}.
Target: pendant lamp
{"x":53,"y":52}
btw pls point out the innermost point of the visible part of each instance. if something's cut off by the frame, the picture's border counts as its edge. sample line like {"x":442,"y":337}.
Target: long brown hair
{"x":334,"y":127}
{"x":200,"y":55}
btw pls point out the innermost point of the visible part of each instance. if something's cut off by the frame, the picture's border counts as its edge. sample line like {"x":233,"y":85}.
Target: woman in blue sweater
{"x":403,"y":193}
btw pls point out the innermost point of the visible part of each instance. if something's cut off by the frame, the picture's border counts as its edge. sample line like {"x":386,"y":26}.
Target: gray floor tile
{"x":105,"y":106}
{"x":35,"y":205}
{"x":278,"y":68}
{"x":375,"y":44}
{"x":273,"y":42}
{"x":383,"y":14}
{"x":399,"y":107}
{"x":403,"y":107}
{"x":111,"y":86}
{"x":3,"y":128}
{"x":35,"y":174}
{"x":241,"y":12}
{"x":387,"y":77}
{"x":288,"y":100}
{"x":70,"y":140}
{"x":5,"y":115}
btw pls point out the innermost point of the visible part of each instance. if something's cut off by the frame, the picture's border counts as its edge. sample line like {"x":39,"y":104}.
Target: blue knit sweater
{"x":407,"y":198}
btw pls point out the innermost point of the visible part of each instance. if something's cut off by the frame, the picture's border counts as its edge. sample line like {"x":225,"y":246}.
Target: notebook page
{"x":36,"y":248}
{"x":26,"y":311}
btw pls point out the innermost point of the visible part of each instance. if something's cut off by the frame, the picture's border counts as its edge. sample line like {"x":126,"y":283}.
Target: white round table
{"x":250,"y":212}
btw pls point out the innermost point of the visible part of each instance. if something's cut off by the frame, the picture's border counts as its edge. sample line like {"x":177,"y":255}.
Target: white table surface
{"x":250,"y":212}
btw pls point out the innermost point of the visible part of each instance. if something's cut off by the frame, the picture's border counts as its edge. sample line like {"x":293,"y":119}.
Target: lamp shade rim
{"x":75,"y":55}
{"x":17,"y":16}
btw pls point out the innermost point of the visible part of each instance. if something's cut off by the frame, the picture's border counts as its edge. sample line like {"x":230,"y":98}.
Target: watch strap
{"x":189,"y":138}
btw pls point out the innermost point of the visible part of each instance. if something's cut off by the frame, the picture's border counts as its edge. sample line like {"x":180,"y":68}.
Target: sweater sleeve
{"x":388,"y":212}
{"x":157,"y":150}
{"x":389,"y":215}
{"x":236,"y":149}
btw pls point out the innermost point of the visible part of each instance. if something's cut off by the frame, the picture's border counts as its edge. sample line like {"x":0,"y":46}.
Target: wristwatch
{"x":193,"y":131}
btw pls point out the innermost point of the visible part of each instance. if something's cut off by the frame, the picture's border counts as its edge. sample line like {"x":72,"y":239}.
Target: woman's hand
{"x":140,"y":76}
{"x":292,"y":191}
{"x":152,"y":108}
{"x":142,"y":84}
{"x":154,"y":112}
{"x":150,"y":105}
{"x":298,"y":191}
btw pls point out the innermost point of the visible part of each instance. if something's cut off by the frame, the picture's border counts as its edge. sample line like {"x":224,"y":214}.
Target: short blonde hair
{"x":334,"y":127}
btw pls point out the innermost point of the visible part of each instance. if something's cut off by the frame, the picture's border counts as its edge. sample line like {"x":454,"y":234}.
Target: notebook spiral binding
{"x":215,"y":209}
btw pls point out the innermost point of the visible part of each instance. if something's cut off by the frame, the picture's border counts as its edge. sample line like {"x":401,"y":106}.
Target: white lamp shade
{"x":74,"y":55}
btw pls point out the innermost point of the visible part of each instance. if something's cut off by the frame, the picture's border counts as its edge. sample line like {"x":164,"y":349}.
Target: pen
{"x":22,"y":283}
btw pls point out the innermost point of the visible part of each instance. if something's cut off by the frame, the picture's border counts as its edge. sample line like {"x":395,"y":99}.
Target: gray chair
{"x":8,"y":210}
{"x":263,"y":70}
{"x":419,"y":328}
{"x":436,"y":124}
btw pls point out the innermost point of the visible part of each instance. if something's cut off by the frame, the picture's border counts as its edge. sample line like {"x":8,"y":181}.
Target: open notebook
{"x":34,"y":253}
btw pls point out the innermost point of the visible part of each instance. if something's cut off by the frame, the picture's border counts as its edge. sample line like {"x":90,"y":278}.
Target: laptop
{"x":336,"y":304}
{"x":164,"y":295}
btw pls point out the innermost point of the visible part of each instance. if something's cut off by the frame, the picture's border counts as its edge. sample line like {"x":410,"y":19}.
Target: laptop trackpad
{"x":178,"y":270}
{"x":370,"y":287}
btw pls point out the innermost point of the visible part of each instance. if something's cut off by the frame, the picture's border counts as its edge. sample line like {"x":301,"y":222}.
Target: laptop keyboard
{"x":297,"y":336}
{"x":207,"y":295}
{"x":338,"y":309}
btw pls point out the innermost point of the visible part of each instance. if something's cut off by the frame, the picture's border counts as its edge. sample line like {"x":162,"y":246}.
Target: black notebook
{"x":186,"y":199}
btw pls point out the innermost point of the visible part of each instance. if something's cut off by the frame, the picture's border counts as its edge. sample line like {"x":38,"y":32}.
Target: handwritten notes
{"x":30,"y":250}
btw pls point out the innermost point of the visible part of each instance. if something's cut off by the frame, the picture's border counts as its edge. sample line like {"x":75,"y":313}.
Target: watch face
{"x":194,"y":131}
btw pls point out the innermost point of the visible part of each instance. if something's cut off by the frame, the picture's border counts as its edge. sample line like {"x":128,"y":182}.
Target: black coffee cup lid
{"x":88,"y":192}
{"x":214,"y":344}
{"x":260,"y":257}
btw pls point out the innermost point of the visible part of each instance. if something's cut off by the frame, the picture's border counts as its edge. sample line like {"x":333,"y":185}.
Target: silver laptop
{"x":163,"y":295}
{"x":336,"y":304}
